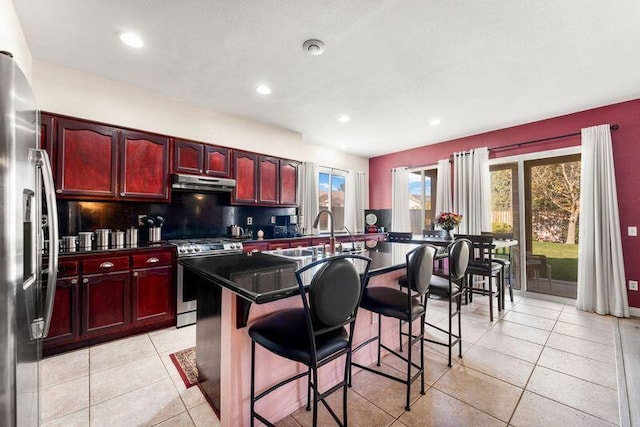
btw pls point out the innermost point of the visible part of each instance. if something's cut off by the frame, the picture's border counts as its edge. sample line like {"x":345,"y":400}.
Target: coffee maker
{"x":288,"y":225}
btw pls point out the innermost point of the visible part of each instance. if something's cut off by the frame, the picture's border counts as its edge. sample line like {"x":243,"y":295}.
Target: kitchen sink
{"x":297,"y":253}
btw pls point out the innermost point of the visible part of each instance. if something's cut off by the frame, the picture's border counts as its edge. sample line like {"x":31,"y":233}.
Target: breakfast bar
{"x":233,"y":291}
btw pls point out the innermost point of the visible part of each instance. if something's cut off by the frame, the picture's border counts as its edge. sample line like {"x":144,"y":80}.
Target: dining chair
{"x":316,"y":333}
{"x":406,"y":306}
{"x":482,"y":264}
{"x":504,"y":259}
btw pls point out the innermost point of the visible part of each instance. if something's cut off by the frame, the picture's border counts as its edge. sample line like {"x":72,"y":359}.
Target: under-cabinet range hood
{"x":182,"y":182}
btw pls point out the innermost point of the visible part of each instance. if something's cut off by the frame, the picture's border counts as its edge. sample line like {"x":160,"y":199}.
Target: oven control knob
{"x":180,"y":250}
{"x":190,"y":249}
{"x":197,"y":249}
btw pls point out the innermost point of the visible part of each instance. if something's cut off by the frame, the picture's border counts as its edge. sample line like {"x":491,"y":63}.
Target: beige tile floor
{"x":541,"y":363}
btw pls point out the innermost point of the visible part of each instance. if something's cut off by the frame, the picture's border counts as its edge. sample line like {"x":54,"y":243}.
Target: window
{"x":331,"y":184}
{"x":422,"y":199}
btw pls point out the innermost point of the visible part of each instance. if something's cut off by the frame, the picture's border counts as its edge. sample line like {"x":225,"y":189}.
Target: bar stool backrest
{"x":420,"y":268}
{"x":482,"y":246}
{"x":459,"y":253}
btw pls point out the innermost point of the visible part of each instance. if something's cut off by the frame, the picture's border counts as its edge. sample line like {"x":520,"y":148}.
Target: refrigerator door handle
{"x":41,"y":161}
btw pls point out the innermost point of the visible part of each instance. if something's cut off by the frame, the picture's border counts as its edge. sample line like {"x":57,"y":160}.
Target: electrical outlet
{"x":273,"y":219}
{"x":249,"y":220}
{"x":45,"y":220}
{"x":632,"y":231}
{"x":140,"y":219}
{"x":633,"y":285}
{"x":374,"y":318}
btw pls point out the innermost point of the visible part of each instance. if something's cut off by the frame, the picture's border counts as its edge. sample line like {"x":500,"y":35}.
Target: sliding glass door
{"x":552,"y":207}
{"x":536,"y":198}
{"x":505,"y":214}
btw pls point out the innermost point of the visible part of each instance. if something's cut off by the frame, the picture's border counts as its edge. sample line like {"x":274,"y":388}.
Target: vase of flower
{"x":447,"y":234}
{"x":448,"y":221}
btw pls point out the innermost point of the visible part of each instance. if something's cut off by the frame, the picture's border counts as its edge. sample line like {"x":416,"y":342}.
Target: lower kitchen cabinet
{"x":100,"y":298}
{"x":152,"y":293}
{"x":65,"y":320}
{"x":105,"y":302}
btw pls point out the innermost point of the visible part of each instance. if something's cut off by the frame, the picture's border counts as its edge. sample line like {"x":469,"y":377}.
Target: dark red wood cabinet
{"x":153,"y":287}
{"x":288,"y":182}
{"x":86,"y":159}
{"x":92,"y":161}
{"x":144,"y":166}
{"x":99,"y":297}
{"x":105,"y":302}
{"x":197,"y":158}
{"x":245,"y":166}
{"x":65,"y":319}
{"x":264,"y":180}
{"x":152,"y":293}
{"x":269,"y":184}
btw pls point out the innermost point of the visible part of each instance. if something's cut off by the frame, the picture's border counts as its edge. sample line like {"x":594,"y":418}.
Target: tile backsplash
{"x":189,"y":215}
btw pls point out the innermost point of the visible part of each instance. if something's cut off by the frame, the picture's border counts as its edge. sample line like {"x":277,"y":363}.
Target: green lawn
{"x":563,"y":259}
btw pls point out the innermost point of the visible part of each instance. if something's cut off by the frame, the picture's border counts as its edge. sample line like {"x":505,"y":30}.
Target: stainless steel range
{"x":187,"y":293}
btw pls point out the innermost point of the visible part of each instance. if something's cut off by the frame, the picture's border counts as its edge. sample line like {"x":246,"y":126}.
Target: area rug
{"x":185,"y":362}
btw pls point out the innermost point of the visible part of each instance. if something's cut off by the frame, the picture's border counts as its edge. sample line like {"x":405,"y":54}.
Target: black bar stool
{"x":451,"y":287}
{"x":315,"y":333}
{"x":407,"y":306}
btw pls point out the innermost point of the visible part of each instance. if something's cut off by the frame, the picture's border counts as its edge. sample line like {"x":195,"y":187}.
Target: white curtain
{"x":472,"y":190}
{"x":355,"y":201}
{"x":308,"y":188}
{"x":443,"y":188}
{"x":400,"y":221}
{"x":601,"y":280}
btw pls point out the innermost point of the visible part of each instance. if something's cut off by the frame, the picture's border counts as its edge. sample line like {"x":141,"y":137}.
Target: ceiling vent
{"x":313,"y":47}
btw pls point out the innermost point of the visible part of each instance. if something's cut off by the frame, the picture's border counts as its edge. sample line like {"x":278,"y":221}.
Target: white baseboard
{"x":634,"y":311}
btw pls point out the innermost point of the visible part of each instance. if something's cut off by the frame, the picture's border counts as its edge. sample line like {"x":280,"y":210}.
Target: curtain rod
{"x":520,"y":144}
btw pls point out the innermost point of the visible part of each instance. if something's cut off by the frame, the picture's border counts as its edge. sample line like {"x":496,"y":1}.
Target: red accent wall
{"x":626,"y":153}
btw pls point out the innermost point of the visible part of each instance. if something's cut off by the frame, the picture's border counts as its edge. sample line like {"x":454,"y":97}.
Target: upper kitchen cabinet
{"x":289,"y":182}
{"x":92,"y":161}
{"x":269,"y":180}
{"x":85,"y":156}
{"x":264,"y":180}
{"x":245,"y":166}
{"x":201,"y":159}
{"x":144,"y":166}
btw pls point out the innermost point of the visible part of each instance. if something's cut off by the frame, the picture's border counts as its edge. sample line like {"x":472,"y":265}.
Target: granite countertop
{"x":261,"y":278}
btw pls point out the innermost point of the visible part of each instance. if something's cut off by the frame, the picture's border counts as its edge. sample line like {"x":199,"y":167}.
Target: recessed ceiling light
{"x":434,"y":122}
{"x":343,"y":118}
{"x":263,"y":90}
{"x":131,"y":39}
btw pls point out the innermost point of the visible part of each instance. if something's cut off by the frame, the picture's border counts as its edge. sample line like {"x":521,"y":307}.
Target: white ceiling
{"x":391,"y":65}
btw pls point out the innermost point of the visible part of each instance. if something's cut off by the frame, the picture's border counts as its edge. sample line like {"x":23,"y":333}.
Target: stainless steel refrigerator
{"x":27,"y":286}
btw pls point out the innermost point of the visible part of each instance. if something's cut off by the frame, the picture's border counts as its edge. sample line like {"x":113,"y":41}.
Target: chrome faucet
{"x":332,"y":239}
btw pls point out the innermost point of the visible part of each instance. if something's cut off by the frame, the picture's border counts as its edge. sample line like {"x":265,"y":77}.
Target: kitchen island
{"x":248,"y":286}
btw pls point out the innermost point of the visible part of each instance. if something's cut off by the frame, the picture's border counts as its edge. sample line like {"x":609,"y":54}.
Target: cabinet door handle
{"x":152,"y":260}
{"x":58,"y":191}
{"x":135,"y":274}
{"x":122,"y":194}
{"x":74,"y":281}
{"x":85,"y":280}
{"x":106,"y":265}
